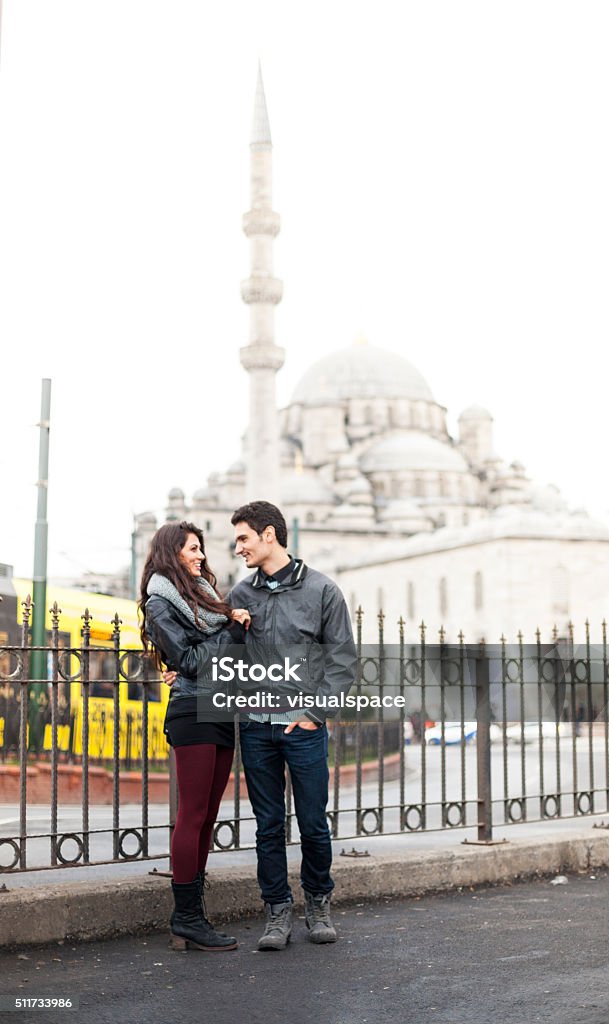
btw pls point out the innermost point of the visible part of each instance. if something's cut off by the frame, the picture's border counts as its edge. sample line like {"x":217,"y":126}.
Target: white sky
{"x":441,"y":171}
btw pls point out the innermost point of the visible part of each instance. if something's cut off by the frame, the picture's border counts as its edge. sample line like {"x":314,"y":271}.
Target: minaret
{"x":262,"y":292}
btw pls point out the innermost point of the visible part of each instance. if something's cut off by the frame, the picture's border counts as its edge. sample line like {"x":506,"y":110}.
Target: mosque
{"x":376,"y":491}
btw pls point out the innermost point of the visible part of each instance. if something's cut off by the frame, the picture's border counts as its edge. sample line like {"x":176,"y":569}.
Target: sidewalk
{"x":520,"y":954}
{"x":93,"y":909}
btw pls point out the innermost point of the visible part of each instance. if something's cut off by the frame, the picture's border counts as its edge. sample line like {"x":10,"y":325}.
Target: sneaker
{"x":317,"y":918}
{"x":278,"y":926}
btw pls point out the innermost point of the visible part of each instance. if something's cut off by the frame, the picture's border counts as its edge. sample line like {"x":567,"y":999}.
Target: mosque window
{"x":310,"y":517}
{"x":419,"y":488}
{"x":443,"y":594}
{"x":478,"y":591}
{"x":208,"y":525}
{"x":466,"y":518}
{"x":559,"y":581}
{"x":410,"y":600}
{"x":395,"y":488}
{"x":368,"y":414}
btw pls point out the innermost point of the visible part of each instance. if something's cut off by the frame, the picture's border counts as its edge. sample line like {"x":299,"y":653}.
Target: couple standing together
{"x":188,"y":625}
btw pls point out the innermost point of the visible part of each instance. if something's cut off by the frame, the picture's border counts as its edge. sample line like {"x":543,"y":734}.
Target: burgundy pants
{"x":202,"y":771}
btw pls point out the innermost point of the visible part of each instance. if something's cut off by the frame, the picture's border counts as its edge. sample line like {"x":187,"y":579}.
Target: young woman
{"x":186,"y":623}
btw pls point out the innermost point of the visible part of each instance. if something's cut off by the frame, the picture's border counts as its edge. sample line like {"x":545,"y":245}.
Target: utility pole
{"x":38,"y":696}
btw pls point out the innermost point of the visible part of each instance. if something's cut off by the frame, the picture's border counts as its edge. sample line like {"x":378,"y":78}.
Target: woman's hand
{"x":243,"y":616}
{"x":169,"y":677}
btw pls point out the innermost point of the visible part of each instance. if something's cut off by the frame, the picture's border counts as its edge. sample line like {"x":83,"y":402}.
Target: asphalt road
{"x":515,"y":955}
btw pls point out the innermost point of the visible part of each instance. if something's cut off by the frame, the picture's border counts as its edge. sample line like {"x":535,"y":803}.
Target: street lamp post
{"x":39,"y":658}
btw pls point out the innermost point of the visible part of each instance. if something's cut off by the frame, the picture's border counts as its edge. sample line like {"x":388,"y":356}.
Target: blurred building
{"x":404,"y":515}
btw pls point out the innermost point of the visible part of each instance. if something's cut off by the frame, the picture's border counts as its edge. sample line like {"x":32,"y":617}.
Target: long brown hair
{"x":163,"y":558}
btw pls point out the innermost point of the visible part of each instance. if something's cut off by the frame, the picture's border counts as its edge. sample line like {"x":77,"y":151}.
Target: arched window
{"x":368,"y":414}
{"x":310,"y":517}
{"x":443,"y":595}
{"x":419,"y":487}
{"x":478,"y":591}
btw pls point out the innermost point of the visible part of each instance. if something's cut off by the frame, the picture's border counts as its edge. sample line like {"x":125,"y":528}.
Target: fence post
{"x":483,"y":747}
{"x":173,"y":798}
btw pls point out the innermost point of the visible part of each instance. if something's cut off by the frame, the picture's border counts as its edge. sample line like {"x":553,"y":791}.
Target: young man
{"x":293,"y":608}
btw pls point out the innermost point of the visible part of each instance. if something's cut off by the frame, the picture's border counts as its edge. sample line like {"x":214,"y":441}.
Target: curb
{"x":87,"y":911}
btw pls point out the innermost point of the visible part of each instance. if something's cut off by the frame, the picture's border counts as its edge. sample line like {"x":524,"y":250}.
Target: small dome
{"x":347,"y":513}
{"x":176,"y":494}
{"x":359,"y":486}
{"x":203,"y":494}
{"x":304,"y":489}
{"x":406,"y":513}
{"x":475,"y":412}
{"x":347,"y":460}
{"x":412,"y":450}
{"x":361,"y":371}
{"x":546,"y":498}
{"x":237,"y":468}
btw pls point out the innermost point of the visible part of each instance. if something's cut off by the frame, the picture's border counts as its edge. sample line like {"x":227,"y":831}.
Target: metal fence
{"x":458,"y":736}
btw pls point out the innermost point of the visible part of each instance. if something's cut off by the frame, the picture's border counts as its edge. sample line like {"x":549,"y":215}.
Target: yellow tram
{"x":114,"y":661}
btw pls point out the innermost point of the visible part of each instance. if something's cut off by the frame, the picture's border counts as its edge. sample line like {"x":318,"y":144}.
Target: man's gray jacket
{"x":304,"y":618}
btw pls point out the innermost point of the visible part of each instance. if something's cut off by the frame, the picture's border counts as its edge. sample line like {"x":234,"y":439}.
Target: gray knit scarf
{"x":208,"y":622}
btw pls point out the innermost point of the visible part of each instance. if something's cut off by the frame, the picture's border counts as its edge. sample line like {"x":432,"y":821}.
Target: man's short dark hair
{"x":260,"y":514}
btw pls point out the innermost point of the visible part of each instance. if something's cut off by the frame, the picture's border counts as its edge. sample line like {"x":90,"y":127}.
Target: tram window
{"x":102,"y":673}
{"x":136,"y":691}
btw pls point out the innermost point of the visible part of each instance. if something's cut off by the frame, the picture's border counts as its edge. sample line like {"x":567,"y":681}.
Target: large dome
{"x":412,"y":450}
{"x":361,"y":371}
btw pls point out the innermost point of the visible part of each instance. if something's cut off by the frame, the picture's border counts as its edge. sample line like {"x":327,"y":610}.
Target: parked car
{"x":453,"y":733}
{"x":528,"y":732}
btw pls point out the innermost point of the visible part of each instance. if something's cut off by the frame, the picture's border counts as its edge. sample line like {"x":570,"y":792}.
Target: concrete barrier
{"x":91,"y":910}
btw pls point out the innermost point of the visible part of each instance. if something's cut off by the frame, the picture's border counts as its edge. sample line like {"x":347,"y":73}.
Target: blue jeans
{"x":265,"y":751}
